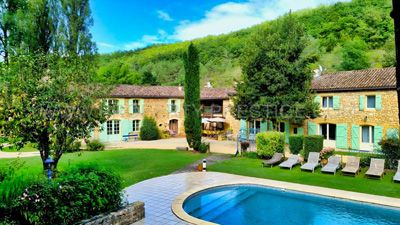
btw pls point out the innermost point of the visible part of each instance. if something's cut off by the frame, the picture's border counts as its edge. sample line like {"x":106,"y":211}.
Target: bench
{"x":128,"y":137}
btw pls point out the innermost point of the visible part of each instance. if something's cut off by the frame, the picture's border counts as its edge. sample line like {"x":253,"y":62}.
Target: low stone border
{"x":177,"y":205}
{"x":126,"y":216}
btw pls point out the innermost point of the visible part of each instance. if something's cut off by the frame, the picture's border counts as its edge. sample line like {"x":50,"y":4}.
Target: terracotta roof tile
{"x":357,"y":80}
{"x":134,"y":91}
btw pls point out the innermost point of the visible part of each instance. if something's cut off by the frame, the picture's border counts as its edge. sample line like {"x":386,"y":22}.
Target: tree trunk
{"x":44,"y":148}
{"x":396,"y":16}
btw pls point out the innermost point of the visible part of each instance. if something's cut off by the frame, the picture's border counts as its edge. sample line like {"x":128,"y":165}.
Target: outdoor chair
{"x":352,"y":166}
{"x":276,"y":158}
{"x":376,"y":168}
{"x":312,"y":162}
{"x":397,"y":175}
{"x":333,"y":165}
{"x":290,"y":162}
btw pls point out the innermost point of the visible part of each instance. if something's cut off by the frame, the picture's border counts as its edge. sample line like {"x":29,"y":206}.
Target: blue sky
{"x":131,"y":24}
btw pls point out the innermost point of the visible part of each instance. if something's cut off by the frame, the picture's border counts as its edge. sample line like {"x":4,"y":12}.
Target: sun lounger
{"x":290,"y":162}
{"x":352,"y":166}
{"x":312,"y":162}
{"x":376,"y":168}
{"x":397,"y":175}
{"x":276,"y":158}
{"x":333,"y":165}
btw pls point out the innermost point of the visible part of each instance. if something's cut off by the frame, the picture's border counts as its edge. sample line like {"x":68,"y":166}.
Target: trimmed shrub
{"x":149,"y":130}
{"x":244,"y":145}
{"x":94,"y":145}
{"x":312,"y":143}
{"x":204,"y":147}
{"x":391,"y":150}
{"x":365,"y":159}
{"x":268,"y":143}
{"x":296,"y":143}
{"x":76,"y":195}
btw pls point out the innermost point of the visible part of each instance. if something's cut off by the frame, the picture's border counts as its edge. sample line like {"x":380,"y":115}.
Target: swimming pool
{"x":252,"y":204}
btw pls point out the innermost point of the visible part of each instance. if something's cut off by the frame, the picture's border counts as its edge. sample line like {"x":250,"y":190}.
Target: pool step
{"x":206,"y":201}
{"x":216,"y":203}
{"x":228,"y":205}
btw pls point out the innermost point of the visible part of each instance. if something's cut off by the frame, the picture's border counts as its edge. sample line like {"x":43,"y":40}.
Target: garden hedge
{"x":270,"y":142}
{"x":296,"y":143}
{"x":149,"y":130}
{"x":312,"y":143}
{"x":391,"y":150}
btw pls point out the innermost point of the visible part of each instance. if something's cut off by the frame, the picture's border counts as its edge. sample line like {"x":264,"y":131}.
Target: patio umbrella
{"x":204,"y":120}
{"x":217,"y":120}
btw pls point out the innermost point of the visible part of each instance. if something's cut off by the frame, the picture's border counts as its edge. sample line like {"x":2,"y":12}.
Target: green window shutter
{"x":141,"y":105}
{"x":271,"y":125}
{"x":317,"y":100}
{"x":243,"y":129}
{"x":130,"y":105}
{"x":336,"y":102}
{"x":287,"y":132}
{"x":300,"y":131}
{"x":377,"y":137}
{"x":121,"y":106}
{"x":355,"y":137}
{"x":103,"y":132}
{"x":341,"y":136}
{"x":378,"y":102}
{"x":126,"y":126}
{"x":169,"y":105}
{"x":312,"y":128}
{"x":392,"y":133}
{"x":263,"y":127}
{"x":178,"y":105}
{"x":362,"y":102}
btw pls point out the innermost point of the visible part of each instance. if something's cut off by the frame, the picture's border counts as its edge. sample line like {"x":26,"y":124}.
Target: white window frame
{"x":329,"y":99}
{"x":113,"y":105}
{"x":135,"y":125}
{"x":113,"y":127}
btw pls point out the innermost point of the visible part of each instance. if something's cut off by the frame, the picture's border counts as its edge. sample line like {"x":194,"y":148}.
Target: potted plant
{"x":244,"y":145}
{"x":325,"y":154}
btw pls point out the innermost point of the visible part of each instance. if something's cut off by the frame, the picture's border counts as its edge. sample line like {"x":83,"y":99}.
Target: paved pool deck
{"x":163,"y":196}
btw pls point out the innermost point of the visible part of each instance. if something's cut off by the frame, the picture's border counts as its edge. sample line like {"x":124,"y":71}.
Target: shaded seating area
{"x":352,"y":166}
{"x":333,"y":165}
{"x":290,"y":162}
{"x":276,"y":158}
{"x":376,"y":168}
{"x":312,"y":162}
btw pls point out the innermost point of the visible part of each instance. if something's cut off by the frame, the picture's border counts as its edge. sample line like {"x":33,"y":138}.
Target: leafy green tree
{"x":276,"y":81}
{"x":148,"y":79}
{"x":389,"y":58}
{"x":149,"y":129}
{"x":354,"y":55}
{"x":77,"y":20}
{"x":49,"y":100}
{"x":192,"y":97}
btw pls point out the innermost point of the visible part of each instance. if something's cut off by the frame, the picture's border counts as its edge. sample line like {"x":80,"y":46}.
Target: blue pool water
{"x":252,"y":205}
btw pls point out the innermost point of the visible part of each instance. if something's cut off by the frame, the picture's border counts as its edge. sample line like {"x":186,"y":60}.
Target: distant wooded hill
{"x":337,"y":33}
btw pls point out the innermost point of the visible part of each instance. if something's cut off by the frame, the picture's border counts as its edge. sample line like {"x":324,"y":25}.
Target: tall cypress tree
{"x":192,"y":97}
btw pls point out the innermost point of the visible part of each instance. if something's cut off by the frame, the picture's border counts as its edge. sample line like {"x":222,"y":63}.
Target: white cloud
{"x":146,"y":40}
{"x":230,"y":16}
{"x":164,"y":16}
{"x":105,"y":45}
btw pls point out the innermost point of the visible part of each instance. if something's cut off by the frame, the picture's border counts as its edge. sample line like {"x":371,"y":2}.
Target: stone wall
{"x":126,"y":216}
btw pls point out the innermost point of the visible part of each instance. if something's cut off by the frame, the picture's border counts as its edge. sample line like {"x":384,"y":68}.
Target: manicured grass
{"x":24,"y":149}
{"x":253,"y":168}
{"x":133,"y":165}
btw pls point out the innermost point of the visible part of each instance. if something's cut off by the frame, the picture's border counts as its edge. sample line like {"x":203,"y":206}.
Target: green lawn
{"x":133,"y":165}
{"x":253,"y":168}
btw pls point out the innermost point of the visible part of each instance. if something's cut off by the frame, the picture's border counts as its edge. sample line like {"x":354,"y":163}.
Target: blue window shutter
{"x":130,"y":105}
{"x":141,"y":105}
{"x":271,"y":126}
{"x":336,"y":102}
{"x":121,"y":106}
{"x":263,"y":126}
{"x":312,"y":128}
{"x":125,"y":127}
{"x":103,"y":132}
{"x":169,"y":105}
{"x":377,"y":137}
{"x":317,"y":100}
{"x":392,"y":133}
{"x":355,"y":137}
{"x":341,"y":136}
{"x":300,"y":131}
{"x":378,"y":102}
{"x":243,"y":129}
{"x":362,"y":102}
{"x":287,"y":131}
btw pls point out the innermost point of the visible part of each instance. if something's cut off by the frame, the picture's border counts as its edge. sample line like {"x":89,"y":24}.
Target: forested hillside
{"x":344,"y":36}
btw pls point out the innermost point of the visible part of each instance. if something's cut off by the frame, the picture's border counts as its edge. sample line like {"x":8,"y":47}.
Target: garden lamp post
{"x":49,"y":162}
{"x":396,"y":17}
